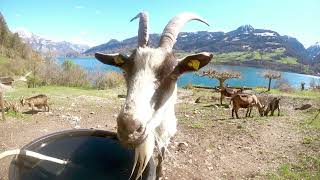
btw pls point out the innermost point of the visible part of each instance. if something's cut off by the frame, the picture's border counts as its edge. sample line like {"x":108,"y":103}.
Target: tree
{"x":221,"y":77}
{"x":269,"y":74}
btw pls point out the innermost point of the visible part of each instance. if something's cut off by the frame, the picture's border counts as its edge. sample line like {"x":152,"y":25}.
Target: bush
{"x":284,"y":85}
{"x":67,"y":74}
{"x":109,"y":80}
{"x":35,"y":81}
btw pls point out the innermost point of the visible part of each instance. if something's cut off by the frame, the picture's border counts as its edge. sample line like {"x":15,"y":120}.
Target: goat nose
{"x":133,"y":126}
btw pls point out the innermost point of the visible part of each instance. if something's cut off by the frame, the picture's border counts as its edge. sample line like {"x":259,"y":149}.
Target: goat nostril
{"x":139,"y":130}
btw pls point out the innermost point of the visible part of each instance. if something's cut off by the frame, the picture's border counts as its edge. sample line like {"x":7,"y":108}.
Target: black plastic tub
{"x":93,"y":154}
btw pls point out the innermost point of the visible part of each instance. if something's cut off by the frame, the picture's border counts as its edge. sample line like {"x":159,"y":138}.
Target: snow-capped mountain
{"x":53,"y":48}
{"x":314,"y":51}
{"x":245,"y":38}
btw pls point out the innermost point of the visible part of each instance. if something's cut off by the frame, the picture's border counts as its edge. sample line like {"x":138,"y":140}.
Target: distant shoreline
{"x":293,"y":68}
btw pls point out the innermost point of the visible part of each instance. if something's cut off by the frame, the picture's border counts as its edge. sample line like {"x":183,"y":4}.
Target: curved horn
{"x":171,"y":31}
{"x":143,"y":35}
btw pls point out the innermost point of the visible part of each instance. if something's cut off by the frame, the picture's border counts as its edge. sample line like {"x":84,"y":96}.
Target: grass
{"x":3,"y":60}
{"x":61,"y":95}
{"x":197,"y":125}
{"x":311,"y":94}
{"x":17,"y":115}
{"x":307,"y":168}
{"x":255,"y":55}
{"x":289,"y":60}
{"x":61,"y":91}
{"x":274,"y":55}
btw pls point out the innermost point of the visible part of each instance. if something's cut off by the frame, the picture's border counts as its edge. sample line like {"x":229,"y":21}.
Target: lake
{"x":250,"y":77}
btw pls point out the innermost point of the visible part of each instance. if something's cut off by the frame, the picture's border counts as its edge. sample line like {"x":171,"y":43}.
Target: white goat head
{"x":151,"y":75}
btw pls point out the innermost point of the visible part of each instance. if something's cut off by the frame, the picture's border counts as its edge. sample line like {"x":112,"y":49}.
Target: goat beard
{"x":143,"y":153}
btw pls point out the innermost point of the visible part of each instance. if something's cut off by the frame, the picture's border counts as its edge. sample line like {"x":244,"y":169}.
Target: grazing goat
{"x":147,"y":118}
{"x":272,"y":106}
{"x":38,"y":101}
{"x":246,"y":101}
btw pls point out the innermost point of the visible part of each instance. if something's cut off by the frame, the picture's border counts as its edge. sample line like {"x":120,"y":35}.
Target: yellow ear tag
{"x":194,"y":64}
{"x":118,"y":60}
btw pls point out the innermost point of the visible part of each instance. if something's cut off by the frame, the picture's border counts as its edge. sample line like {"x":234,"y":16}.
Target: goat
{"x":38,"y":101}
{"x":147,"y":118}
{"x":272,"y":106}
{"x":246,"y":101}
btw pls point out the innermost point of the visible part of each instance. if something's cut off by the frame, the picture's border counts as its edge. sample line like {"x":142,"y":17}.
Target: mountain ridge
{"x":244,"y":38}
{"x":244,"y":45}
{"x":50,"y":47}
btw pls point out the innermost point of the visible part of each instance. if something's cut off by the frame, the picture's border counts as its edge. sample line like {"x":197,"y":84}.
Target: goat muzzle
{"x":130,"y":131}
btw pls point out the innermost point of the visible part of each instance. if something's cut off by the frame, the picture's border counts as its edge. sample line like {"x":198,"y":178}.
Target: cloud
{"x":79,"y":7}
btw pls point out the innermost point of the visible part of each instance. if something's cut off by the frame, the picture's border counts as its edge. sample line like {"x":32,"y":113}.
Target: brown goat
{"x":246,"y":101}
{"x":272,"y":106}
{"x":38,"y":101}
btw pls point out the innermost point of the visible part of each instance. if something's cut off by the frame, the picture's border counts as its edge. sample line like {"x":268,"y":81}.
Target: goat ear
{"x":112,"y":59}
{"x":192,"y":63}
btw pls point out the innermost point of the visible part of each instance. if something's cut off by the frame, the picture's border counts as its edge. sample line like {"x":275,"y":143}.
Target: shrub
{"x":67,"y":74}
{"x":109,"y":80}
{"x":284,"y":86}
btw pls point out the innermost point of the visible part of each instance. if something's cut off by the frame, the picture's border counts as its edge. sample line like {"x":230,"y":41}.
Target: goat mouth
{"x":133,"y":143}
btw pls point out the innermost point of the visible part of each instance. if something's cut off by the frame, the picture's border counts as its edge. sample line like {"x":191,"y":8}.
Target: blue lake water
{"x":250,"y":77}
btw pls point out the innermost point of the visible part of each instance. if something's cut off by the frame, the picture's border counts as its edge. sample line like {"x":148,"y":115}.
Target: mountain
{"x":314,"y":52}
{"x":245,"y":46}
{"x":54,"y":48}
{"x":243,"y":39}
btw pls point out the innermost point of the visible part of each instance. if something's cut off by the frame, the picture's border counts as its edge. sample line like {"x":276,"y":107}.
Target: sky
{"x":94,"y":22}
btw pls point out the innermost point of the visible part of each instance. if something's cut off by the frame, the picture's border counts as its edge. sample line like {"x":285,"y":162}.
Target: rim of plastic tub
{"x":14,"y":171}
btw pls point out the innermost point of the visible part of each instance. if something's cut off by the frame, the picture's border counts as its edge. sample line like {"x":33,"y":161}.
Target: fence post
{"x":2,"y":106}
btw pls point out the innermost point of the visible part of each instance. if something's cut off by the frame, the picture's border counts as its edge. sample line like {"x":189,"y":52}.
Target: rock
{"x":210,"y":168}
{"x":92,"y":112}
{"x":182,"y":146}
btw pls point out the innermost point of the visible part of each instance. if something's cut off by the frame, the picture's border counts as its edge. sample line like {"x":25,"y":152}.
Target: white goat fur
{"x":160,"y":124}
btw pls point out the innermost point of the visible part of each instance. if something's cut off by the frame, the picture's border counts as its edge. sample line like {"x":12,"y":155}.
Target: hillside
{"x":16,"y":57}
{"x":243,"y":46}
